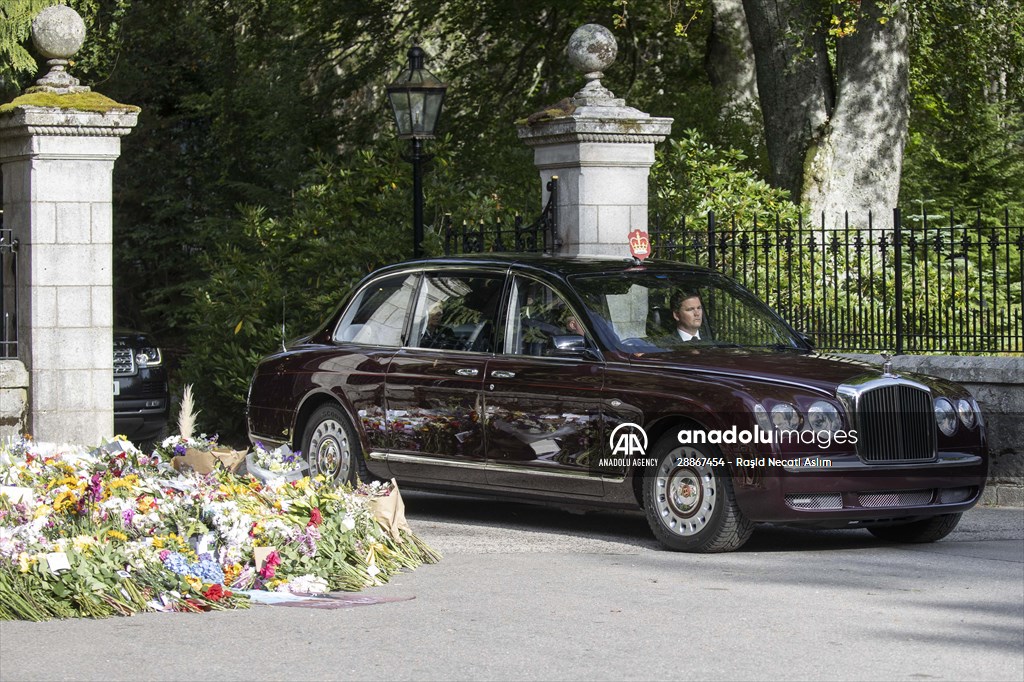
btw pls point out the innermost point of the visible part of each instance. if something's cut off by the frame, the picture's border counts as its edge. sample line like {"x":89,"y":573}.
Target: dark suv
{"x":141,"y":399}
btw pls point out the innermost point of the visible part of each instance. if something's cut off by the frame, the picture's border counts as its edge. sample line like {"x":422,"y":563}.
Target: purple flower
{"x":179,"y":449}
{"x":128,"y":516}
{"x":95,"y":488}
{"x":307,"y":539}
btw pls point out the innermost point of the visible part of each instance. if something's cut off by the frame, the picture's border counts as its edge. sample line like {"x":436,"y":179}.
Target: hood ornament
{"x":887,"y":365}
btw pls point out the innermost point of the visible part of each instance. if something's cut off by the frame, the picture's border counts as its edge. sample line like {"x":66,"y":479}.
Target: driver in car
{"x":688,"y":312}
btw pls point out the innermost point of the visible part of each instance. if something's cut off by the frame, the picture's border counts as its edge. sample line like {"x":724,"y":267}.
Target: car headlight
{"x":965,"y":410}
{"x":945,"y":416}
{"x":148,"y":357}
{"x":761,"y":415}
{"x":823,"y":416}
{"x":785,"y":416}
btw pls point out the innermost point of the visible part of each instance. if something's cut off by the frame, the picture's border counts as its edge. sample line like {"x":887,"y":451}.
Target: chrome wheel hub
{"x":330,"y":453}
{"x":685,"y":496}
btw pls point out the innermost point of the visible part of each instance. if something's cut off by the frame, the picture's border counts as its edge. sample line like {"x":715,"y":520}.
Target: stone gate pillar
{"x":600,"y":149}
{"x":58,"y":144}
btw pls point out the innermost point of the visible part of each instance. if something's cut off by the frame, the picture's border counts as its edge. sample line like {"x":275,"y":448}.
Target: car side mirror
{"x":571,"y":346}
{"x":569,"y":342}
{"x":806,"y":339}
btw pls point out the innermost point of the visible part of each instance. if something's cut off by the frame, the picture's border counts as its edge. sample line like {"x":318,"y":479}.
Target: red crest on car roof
{"x":639,"y":244}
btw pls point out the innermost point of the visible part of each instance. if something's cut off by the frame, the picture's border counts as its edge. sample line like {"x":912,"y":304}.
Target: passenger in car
{"x":435,"y":334}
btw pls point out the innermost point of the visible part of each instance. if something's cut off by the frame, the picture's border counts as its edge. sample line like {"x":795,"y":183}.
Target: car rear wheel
{"x":928,"y":530}
{"x":689,"y":503}
{"x":332,"y":448}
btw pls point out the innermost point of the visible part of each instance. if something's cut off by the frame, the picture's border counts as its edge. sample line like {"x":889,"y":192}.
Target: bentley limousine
{"x":611,"y":382}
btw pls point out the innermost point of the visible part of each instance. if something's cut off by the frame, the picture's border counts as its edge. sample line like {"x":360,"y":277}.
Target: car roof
{"x":554,"y":264}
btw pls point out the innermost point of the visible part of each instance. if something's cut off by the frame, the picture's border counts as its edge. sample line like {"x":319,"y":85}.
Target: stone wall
{"x":13,"y":398}
{"x":998,"y":386}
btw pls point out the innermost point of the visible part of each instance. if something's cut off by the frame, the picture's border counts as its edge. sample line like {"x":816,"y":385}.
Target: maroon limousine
{"x":612,"y":382}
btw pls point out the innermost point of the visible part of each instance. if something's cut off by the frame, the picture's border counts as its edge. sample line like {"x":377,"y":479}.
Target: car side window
{"x":457,"y":312}
{"x":540,"y":321}
{"x":377,"y":315}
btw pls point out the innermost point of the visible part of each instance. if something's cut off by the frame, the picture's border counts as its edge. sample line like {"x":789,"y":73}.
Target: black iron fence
{"x":913,"y":284}
{"x":8,"y":292}
{"x":539,"y":236}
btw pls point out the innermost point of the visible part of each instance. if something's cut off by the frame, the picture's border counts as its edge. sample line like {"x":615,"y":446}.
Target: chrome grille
{"x":896,"y":498}
{"x":124,"y":362}
{"x":896,"y":423}
{"x":815,"y":500}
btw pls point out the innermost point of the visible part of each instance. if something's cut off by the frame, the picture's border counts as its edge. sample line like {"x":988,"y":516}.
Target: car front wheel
{"x":331,"y":446}
{"x":928,"y":530}
{"x":690,"y":504}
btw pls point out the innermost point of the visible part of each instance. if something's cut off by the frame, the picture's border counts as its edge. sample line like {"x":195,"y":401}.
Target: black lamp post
{"x":416,"y":98}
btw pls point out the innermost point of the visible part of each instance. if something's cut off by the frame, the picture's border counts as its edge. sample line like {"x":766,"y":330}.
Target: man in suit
{"x":688,"y":312}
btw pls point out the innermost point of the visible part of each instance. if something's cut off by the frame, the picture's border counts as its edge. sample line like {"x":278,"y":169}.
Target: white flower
{"x":348,"y":522}
{"x":304,"y":584}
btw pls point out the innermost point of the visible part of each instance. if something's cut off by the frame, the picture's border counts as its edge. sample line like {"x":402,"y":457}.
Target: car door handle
{"x":467,"y":372}
{"x":502,"y":374}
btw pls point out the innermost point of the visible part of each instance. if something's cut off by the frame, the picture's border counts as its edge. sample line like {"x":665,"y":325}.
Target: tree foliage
{"x":966,"y":143}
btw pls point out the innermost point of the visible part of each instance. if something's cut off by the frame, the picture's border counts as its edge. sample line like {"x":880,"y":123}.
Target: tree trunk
{"x":856,"y":164}
{"x":793,"y":80}
{"x":729,"y":60}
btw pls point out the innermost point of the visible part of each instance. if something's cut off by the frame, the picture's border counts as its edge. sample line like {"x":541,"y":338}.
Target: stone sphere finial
{"x":592,"y":49}
{"x":58,"y":33}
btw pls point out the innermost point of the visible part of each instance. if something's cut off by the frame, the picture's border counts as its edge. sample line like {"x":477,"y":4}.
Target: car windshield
{"x":650,"y":311}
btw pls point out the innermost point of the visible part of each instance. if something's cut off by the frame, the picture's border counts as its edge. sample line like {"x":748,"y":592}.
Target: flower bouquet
{"x":202,"y":453}
{"x":280,"y":462}
{"x":113,"y":531}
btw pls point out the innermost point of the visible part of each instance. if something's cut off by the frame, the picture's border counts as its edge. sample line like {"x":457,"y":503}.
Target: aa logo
{"x":628,"y":440}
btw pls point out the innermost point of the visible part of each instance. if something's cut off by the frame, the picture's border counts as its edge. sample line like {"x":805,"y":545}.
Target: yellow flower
{"x":233,"y":489}
{"x":71,"y":481}
{"x":25,"y":561}
{"x":83,"y":543}
{"x":129,"y":481}
{"x":195,"y":583}
{"x":117,"y":535}
{"x":65,"y":500}
{"x":231,"y":573}
{"x":41,"y":511}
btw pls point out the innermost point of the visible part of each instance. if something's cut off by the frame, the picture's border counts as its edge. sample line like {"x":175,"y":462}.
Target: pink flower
{"x":164,"y":553}
{"x":315,"y":517}
{"x":268,"y":570}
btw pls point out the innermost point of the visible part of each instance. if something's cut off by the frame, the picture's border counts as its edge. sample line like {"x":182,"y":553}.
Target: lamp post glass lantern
{"x":416,"y":97}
